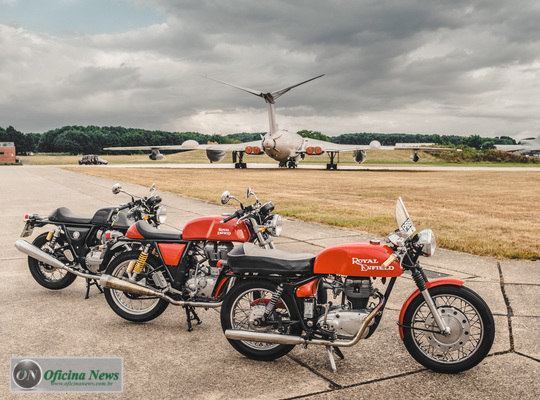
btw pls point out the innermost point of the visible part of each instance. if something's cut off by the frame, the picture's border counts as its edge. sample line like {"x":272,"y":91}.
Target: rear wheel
{"x":243,"y":308}
{"x":134,"y":307}
{"x":471,"y":323}
{"x":46,"y":275}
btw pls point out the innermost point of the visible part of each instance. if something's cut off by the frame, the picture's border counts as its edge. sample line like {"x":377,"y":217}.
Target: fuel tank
{"x":209,"y":228}
{"x":356,"y":259}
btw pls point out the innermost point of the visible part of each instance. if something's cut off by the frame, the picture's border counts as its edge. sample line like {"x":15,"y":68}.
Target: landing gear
{"x":332,"y":164}
{"x":292,"y":164}
{"x":238,"y":155}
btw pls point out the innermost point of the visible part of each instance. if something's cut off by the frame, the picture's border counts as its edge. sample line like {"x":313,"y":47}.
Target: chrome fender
{"x":430,"y":284}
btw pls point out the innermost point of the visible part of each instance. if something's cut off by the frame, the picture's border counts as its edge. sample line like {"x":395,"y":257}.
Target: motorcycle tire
{"x":472,"y":330}
{"x":46,"y":275}
{"x":132,"y":307}
{"x":247,"y":298}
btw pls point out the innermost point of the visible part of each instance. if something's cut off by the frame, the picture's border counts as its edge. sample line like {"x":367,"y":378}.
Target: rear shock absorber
{"x":273,"y":301}
{"x":138,"y":266}
{"x":52,"y":237}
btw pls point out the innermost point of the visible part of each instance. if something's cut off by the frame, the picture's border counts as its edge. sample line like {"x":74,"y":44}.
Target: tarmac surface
{"x":163,"y":360}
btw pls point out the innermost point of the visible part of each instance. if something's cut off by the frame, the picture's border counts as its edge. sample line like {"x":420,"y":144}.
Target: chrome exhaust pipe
{"x":237,"y":334}
{"x":29,"y":249}
{"x":112,"y":282}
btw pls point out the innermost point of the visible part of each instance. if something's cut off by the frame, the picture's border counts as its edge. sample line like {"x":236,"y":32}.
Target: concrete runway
{"x":163,"y":360}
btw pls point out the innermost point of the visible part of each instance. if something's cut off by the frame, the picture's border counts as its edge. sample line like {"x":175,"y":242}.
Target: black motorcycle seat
{"x":150,"y":232}
{"x":64,"y":214}
{"x":250,"y":258}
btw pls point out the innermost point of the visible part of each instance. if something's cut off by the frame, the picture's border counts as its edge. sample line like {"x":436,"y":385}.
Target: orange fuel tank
{"x":357,"y":259}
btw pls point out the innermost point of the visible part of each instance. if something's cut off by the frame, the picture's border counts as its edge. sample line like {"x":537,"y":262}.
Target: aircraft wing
{"x":511,"y":147}
{"x":374,"y":145}
{"x":188,"y":145}
{"x":231,"y":147}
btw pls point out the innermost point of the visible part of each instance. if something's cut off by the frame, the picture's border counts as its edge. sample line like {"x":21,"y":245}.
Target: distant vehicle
{"x":92,"y":159}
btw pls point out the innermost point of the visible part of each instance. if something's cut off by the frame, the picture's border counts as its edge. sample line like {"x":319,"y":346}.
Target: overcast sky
{"x":432,"y":66}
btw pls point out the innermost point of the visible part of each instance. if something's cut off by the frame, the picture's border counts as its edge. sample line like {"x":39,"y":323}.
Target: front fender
{"x":430,"y":284}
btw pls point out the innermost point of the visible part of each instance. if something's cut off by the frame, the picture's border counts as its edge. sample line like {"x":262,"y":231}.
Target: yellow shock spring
{"x":140,"y":263}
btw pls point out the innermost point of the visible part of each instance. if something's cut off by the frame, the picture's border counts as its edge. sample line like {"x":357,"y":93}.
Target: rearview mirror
{"x":117,"y":188}
{"x":225,"y":197}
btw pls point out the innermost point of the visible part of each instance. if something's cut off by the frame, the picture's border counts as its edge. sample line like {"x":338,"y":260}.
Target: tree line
{"x":92,"y":139}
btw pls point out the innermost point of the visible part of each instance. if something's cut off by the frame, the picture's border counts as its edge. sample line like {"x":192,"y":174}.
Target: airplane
{"x":286,"y":147}
{"x":526,"y":147}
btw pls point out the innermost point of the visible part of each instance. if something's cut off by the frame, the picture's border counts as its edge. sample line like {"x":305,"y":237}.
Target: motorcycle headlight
{"x":161,"y":214}
{"x":426,"y":242}
{"x":275,"y":227}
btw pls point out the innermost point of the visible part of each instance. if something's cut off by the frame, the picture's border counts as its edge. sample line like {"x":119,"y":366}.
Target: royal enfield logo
{"x":223,"y":231}
{"x":369,"y":264}
{"x":27,"y":374}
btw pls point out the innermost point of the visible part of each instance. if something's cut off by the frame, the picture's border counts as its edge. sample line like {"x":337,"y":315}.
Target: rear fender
{"x":430,"y":284}
{"x":116,"y":248}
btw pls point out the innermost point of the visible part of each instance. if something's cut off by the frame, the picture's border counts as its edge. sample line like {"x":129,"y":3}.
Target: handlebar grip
{"x":389,"y":261}
{"x":236,"y":214}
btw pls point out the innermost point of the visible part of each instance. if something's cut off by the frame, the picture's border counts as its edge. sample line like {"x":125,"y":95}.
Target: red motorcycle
{"x":182,"y":267}
{"x":280,"y":300}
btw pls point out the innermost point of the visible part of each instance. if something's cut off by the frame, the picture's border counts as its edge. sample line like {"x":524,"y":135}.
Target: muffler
{"x":112,"y":282}
{"x":29,"y":249}
{"x":237,"y":334}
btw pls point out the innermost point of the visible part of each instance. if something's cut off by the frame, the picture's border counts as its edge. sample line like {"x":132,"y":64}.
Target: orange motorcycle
{"x":281,"y":300}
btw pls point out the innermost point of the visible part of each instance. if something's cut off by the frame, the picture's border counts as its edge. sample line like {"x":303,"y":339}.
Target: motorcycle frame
{"x":292,"y":283}
{"x":177,"y":273}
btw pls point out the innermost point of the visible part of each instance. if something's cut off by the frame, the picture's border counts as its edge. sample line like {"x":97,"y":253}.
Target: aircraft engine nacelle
{"x":156,"y":156}
{"x":415,"y":157}
{"x":359,"y":156}
{"x":215,"y":155}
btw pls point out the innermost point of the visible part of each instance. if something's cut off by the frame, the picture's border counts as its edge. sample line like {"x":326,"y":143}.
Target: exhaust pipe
{"x":237,"y":334}
{"x":29,"y":249}
{"x":112,"y":282}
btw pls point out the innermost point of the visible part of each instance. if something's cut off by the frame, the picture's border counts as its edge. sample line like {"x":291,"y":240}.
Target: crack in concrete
{"x":508,"y":308}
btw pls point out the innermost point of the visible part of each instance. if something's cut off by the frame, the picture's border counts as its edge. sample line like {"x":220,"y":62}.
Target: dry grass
{"x":488,"y":213}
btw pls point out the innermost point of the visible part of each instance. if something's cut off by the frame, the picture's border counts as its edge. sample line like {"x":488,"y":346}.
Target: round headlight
{"x":276,"y":225}
{"x":426,"y":242}
{"x":161,"y":214}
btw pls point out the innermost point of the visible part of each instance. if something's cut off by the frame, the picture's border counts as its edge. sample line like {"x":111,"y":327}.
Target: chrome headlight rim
{"x":426,"y":242}
{"x":276,"y":225}
{"x":161,"y":214}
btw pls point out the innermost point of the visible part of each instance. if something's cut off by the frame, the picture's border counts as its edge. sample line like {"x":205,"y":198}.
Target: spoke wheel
{"x":133,"y":307}
{"x":244,"y":308}
{"x":46,"y":275}
{"x":472,"y":330}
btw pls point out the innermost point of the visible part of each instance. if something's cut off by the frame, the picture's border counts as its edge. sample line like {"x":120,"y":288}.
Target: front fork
{"x":420,"y":279}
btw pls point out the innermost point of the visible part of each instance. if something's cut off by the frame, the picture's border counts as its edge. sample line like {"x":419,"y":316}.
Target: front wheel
{"x":243,"y":309}
{"x":134,"y":307}
{"x":46,"y":275}
{"x":471,"y":323}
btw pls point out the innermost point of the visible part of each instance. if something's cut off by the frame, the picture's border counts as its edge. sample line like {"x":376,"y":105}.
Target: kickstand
{"x":330,"y":350}
{"x":191,"y":316}
{"x":90,"y":282}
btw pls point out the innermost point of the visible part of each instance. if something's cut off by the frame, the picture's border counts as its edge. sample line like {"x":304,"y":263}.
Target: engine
{"x":347,"y":319}
{"x":201,"y":282}
{"x":359,"y":156}
{"x":215,"y":155}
